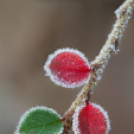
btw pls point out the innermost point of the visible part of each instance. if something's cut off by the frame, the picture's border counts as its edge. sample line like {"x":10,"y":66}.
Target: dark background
{"x":32,"y":29}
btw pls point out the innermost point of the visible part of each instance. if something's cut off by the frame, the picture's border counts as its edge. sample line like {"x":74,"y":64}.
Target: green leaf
{"x":40,"y":120}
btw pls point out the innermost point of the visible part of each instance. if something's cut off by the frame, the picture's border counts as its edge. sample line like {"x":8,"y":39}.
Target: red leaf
{"x":68,"y":68}
{"x":90,"y":119}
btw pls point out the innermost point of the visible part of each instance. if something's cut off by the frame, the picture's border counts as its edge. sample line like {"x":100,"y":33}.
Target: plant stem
{"x":123,"y":14}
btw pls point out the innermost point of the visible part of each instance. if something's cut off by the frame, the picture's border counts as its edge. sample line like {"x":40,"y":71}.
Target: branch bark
{"x":111,"y":46}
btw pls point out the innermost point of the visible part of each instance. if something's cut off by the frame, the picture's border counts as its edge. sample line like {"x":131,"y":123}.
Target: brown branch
{"x":123,"y":14}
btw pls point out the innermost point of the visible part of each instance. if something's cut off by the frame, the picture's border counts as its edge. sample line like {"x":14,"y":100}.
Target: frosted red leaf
{"x":68,"y":68}
{"x":90,"y":119}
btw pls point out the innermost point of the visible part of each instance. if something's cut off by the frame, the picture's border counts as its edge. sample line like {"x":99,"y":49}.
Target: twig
{"x":123,"y":14}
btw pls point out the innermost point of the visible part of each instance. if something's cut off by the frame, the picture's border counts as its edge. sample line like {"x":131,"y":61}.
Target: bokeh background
{"x":32,"y":29}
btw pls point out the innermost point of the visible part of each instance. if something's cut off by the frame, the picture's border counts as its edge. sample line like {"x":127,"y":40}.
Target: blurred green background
{"x":32,"y":29}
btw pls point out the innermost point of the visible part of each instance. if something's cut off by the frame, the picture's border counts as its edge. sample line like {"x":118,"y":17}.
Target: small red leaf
{"x":68,"y":68}
{"x":90,"y":119}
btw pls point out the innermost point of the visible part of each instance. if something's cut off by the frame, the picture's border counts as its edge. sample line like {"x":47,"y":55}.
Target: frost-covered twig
{"x":123,"y":14}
